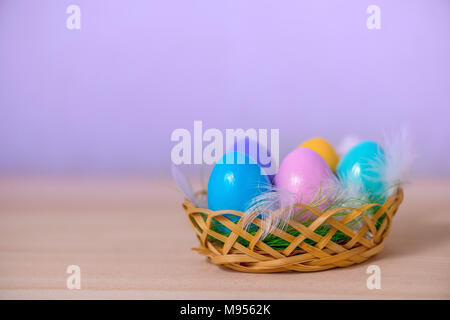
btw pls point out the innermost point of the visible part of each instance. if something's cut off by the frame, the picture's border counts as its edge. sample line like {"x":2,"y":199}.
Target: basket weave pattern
{"x":298,"y":255}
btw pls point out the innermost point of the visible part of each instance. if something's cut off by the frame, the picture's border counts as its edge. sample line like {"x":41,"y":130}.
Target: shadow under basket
{"x":303,"y":248}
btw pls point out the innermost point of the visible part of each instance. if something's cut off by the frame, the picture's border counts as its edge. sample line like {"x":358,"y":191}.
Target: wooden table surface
{"x":131,"y":240}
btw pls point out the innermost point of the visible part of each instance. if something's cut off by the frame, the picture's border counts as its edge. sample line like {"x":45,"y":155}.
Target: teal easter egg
{"x":234,"y":181}
{"x":362,"y":166}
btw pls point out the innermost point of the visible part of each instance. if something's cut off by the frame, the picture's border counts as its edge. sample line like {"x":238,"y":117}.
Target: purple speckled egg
{"x":306,"y":175}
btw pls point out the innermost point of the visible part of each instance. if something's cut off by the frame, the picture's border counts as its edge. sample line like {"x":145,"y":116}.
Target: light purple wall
{"x":104,"y":99}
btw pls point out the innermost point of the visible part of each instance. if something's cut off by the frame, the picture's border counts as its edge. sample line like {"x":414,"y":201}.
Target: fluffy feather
{"x":399,"y":160}
{"x":267,"y":207}
{"x":199,"y":200}
{"x":276,"y":207}
{"x":393,"y":169}
{"x":354,"y":193}
{"x":394,"y":165}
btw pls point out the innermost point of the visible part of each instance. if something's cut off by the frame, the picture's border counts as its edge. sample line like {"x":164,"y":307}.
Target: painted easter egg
{"x":256,"y":151}
{"x":306,"y":175}
{"x":234,"y":181}
{"x":362,"y":166}
{"x":325,"y":149}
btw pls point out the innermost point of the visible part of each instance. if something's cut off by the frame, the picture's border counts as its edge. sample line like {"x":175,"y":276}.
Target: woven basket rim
{"x":308,"y":251}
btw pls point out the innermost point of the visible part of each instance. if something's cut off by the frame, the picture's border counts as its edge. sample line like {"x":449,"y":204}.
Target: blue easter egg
{"x":232,"y":186}
{"x":363,"y":164}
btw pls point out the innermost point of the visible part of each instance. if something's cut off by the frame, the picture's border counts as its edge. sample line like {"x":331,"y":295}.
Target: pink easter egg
{"x":306,"y":175}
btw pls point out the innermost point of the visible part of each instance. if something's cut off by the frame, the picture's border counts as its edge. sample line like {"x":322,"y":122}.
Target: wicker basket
{"x":300,"y":254}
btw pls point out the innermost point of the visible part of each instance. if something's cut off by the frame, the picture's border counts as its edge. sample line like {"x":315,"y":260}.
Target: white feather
{"x":183,"y":184}
{"x":392,"y":168}
{"x":267,"y":207}
{"x":399,"y":160}
{"x":276,"y":207}
{"x":354,"y":193}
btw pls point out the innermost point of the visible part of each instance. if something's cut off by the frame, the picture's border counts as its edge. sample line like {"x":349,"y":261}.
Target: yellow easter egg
{"x":325,"y":149}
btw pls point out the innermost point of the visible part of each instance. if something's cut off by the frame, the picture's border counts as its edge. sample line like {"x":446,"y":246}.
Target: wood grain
{"x":114,"y":229}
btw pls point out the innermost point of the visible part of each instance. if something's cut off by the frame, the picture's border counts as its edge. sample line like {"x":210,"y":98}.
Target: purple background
{"x":105,"y":99}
